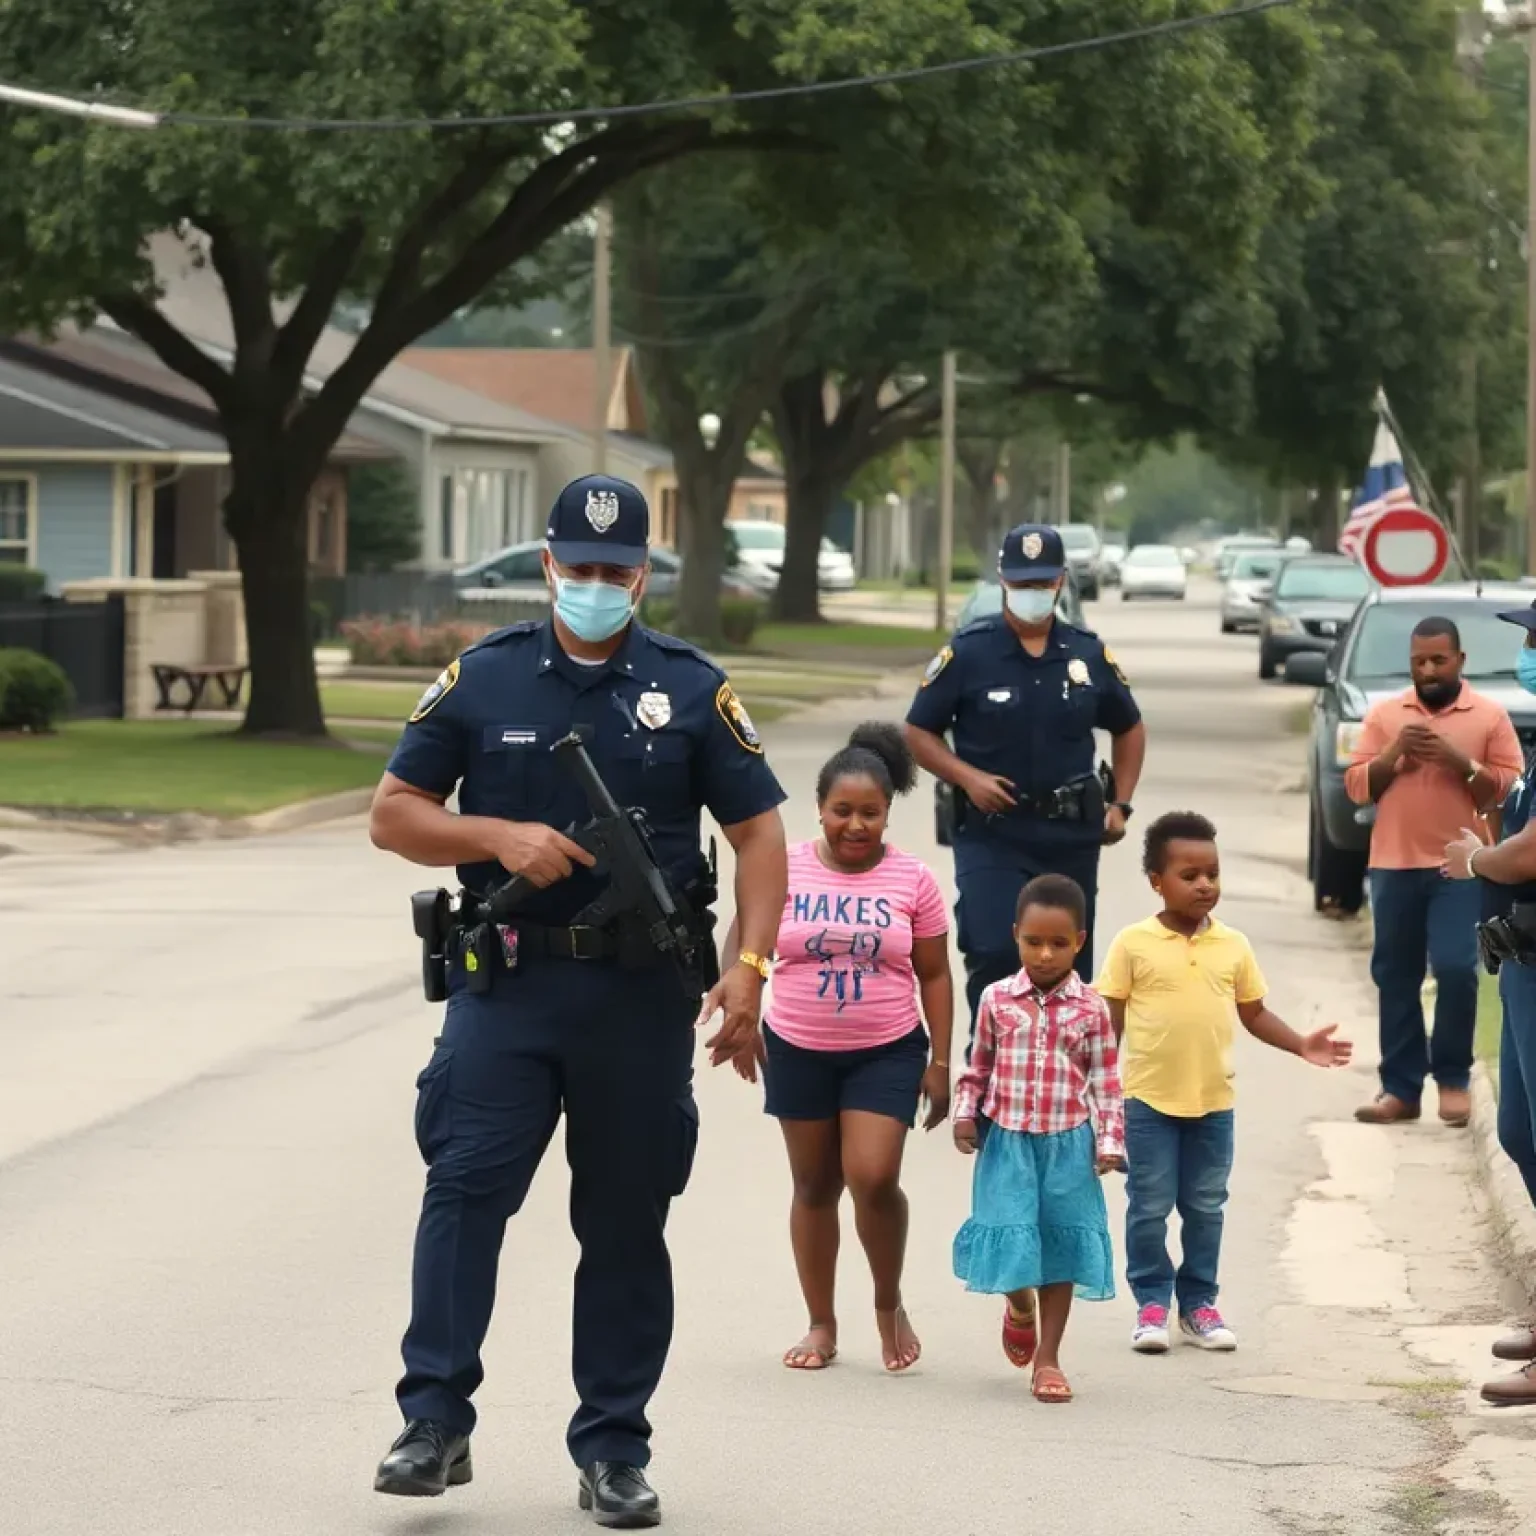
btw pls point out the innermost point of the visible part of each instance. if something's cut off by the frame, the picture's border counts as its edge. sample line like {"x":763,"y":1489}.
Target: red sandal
{"x":1020,"y":1335}
{"x":1049,"y":1386}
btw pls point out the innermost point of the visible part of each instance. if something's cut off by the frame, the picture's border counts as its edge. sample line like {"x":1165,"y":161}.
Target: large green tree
{"x":412,"y":225}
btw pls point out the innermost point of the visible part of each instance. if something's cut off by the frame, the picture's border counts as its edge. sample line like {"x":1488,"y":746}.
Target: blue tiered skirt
{"x":1037,"y":1217}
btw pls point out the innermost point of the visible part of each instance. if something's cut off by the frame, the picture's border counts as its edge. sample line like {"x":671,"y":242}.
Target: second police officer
{"x":567,"y":1026}
{"x":1021,"y":693}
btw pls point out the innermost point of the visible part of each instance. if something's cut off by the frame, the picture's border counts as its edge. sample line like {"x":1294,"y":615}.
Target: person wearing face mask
{"x":1432,"y":759}
{"x":1507,"y":876}
{"x":582,"y":1021}
{"x":1021,"y":693}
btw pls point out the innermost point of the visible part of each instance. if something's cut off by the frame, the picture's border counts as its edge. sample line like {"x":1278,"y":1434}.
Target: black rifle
{"x":637,"y":888}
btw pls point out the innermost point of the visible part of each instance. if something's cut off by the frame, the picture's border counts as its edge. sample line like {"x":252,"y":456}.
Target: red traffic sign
{"x":1405,"y":547}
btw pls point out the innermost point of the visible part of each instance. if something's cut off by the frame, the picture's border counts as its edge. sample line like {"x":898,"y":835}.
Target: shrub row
{"x":34,"y":691}
{"x":20,"y":583}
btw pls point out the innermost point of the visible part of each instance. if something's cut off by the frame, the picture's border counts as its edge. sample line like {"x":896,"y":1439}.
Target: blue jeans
{"x":1181,"y":1162}
{"x":1517,"y":1070}
{"x":1419,"y":916}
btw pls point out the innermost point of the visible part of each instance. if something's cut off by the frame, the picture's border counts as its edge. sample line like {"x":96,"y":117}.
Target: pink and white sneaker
{"x":1150,"y":1335}
{"x":1205,"y":1329}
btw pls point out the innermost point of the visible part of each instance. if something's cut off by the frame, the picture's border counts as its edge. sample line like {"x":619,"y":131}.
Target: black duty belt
{"x":578,"y":943}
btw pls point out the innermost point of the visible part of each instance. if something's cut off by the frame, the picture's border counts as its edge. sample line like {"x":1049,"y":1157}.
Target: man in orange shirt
{"x":1434,"y":759}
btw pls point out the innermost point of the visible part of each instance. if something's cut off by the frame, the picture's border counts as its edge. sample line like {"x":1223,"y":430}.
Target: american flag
{"x":1385,"y":486}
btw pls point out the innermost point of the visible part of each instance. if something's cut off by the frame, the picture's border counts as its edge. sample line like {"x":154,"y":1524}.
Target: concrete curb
{"x":1509,"y":1205}
{"x":308,"y":813}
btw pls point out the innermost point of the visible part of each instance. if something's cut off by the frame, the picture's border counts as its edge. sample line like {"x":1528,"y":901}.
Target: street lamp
{"x":709,"y":429}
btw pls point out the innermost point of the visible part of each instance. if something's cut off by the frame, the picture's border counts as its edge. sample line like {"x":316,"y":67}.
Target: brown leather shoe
{"x":1386,"y":1109}
{"x":1517,"y":1391}
{"x":1455,"y":1106}
{"x":1519,"y":1344}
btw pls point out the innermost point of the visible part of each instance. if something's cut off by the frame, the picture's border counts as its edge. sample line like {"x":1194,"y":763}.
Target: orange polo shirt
{"x":1426,"y":806}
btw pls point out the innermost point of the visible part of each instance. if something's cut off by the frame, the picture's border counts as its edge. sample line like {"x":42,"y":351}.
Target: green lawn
{"x":392,"y":702}
{"x":1489,"y":1022}
{"x":828,"y":639}
{"x":165,"y":766}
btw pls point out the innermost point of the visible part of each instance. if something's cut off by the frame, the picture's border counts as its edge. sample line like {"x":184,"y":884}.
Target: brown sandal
{"x":808,"y":1355}
{"x":1020,"y":1335}
{"x":1049,"y":1386}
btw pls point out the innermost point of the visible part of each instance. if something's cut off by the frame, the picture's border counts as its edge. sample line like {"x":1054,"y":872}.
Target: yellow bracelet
{"x":757,"y":962}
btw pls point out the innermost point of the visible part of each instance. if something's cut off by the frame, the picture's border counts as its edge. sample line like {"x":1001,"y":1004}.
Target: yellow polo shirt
{"x":1180,"y":998}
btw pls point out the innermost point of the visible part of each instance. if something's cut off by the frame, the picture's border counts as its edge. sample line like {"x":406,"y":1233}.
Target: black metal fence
{"x":84,"y":639}
{"x":419,"y":597}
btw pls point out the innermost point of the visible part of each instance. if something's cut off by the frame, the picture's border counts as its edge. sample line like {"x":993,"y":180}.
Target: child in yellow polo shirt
{"x":1172,"y":984}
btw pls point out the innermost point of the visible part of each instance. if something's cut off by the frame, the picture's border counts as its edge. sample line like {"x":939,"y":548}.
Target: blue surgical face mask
{"x":1031,"y":605}
{"x":1525,"y":668}
{"x":593,"y":610}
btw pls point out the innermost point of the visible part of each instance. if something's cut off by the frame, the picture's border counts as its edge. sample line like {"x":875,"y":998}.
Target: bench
{"x":230,"y":680}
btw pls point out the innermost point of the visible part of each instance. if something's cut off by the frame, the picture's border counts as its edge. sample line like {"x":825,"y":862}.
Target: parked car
{"x":1369,"y":661}
{"x":1153,"y":570}
{"x":517,"y":573}
{"x":1080,"y":541}
{"x":987,"y":598}
{"x":1111,"y":557}
{"x":1308,"y":605}
{"x":761,"y":544}
{"x":1243,"y":594}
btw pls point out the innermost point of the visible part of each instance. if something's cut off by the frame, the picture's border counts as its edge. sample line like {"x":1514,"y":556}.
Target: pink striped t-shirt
{"x":843,"y":978}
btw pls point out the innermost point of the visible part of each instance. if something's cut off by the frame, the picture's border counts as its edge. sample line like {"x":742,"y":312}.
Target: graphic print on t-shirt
{"x":846,"y":959}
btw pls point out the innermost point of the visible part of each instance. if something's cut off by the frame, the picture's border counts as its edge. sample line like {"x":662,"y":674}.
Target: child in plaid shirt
{"x":1043,"y":1074}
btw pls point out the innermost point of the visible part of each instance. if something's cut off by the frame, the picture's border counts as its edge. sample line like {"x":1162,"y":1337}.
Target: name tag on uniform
{"x":516,"y":738}
{"x":1000,"y":695}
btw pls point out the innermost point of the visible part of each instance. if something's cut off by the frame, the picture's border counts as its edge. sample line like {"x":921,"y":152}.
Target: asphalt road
{"x":208,"y":1189}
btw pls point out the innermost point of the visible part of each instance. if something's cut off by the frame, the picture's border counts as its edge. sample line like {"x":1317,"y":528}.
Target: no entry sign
{"x":1405,"y":547}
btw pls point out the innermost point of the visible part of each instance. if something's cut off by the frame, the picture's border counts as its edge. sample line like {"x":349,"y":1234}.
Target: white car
{"x":1153,"y":570}
{"x":761,"y":545}
{"x":1242,"y":598}
{"x":1111,"y":557}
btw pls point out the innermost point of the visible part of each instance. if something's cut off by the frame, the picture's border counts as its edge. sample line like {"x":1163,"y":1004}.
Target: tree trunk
{"x":704,"y":497}
{"x":266,"y":514}
{"x":1327,"y":516}
{"x":809,"y":499}
{"x":979,"y":462}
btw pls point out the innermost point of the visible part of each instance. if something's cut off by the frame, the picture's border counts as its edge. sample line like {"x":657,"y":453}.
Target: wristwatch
{"x":757,"y":962}
{"x":1124,"y":807}
{"x":1473,"y":770}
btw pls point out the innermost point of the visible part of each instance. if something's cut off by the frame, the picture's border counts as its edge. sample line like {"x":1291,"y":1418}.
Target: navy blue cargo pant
{"x":989,"y":877}
{"x":613,"y":1051}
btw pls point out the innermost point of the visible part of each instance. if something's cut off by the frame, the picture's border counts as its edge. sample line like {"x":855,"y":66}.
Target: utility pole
{"x":1064,"y":483}
{"x":946,"y":494}
{"x":602,"y":295}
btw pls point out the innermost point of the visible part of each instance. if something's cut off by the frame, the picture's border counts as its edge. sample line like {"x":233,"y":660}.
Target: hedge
{"x":34,"y":691}
{"x":20,"y":583}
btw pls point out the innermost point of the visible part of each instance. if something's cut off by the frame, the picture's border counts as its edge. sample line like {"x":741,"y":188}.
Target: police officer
{"x":568,"y":1025}
{"x":1023,"y":693}
{"x":1508,"y":873}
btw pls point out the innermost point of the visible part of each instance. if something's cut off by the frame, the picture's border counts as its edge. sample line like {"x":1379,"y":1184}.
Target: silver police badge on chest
{"x":602,"y":510}
{"x":1077,"y":670}
{"x":654,"y":710}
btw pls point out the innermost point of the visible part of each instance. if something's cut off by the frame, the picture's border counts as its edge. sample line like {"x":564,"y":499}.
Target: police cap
{"x":1524,"y":617}
{"x":1031,"y":552}
{"x":598,"y":520}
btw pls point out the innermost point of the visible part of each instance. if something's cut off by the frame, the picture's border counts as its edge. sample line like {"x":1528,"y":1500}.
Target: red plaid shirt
{"x":1045,"y":1062}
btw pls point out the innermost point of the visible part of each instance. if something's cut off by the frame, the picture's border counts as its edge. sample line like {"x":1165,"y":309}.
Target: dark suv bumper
{"x":1342,"y":818}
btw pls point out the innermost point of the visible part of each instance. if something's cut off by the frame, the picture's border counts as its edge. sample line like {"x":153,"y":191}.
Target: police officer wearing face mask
{"x":579,"y":1021}
{"x":1508,"y":873}
{"x":1022,"y":693}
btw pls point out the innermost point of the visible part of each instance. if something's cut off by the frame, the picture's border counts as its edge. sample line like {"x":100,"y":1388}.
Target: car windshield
{"x":1078,"y":536}
{"x":758,"y":535}
{"x":1256,"y":567}
{"x":1380,"y":653}
{"x":1306,"y":582}
{"x":1154,"y":554}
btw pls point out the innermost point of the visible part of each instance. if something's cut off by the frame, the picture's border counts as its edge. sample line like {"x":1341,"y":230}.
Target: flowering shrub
{"x":399,"y":643}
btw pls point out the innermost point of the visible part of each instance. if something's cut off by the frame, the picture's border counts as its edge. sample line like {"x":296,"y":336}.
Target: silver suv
{"x":1080,"y":541}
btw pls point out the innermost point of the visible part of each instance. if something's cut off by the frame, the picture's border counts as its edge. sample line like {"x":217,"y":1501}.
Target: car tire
{"x":1091,"y":593}
{"x":1338,"y":874}
{"x":1269,"y":664}
{"x":1125,"y":596}
{"x":1228,"y":627}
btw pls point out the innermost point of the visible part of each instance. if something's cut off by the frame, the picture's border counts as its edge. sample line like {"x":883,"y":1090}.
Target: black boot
{"x":619,"y":1496}
{"x":426,"y":1459}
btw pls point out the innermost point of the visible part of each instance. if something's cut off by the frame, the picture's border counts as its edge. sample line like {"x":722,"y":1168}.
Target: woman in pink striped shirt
{"x":864,"y":939}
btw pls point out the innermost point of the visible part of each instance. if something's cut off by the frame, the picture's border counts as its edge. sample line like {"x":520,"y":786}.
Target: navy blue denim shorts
{"x":819,"y":1085}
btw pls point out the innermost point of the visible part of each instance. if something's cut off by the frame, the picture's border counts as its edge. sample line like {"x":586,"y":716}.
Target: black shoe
{"x":427,"y":1459}
{"x":618,"y":1496}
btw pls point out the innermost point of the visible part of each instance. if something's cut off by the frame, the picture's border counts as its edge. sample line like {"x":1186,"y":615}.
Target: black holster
{"x":1510,"y":937}
{"x":431,"y":917}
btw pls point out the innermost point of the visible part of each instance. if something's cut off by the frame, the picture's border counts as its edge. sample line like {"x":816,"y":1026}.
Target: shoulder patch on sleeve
{"x":737,"y":720}
{"x":446,"y":679}
{"x":938,"y":664}
{"x":1114,"y":666}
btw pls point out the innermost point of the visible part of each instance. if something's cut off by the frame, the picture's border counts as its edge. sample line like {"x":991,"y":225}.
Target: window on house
{"x":16,"y":521}
{"x":445,"y":517}
{"x":517,"y":509}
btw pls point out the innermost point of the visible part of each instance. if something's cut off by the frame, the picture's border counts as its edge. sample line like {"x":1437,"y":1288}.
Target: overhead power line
{"x":99,"y":110}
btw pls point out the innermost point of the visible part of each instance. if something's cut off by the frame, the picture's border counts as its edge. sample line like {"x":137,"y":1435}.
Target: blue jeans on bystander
{"x":1421,"y":917}
{"x":1517,"y":1070}
{"x":1175,"y":1162}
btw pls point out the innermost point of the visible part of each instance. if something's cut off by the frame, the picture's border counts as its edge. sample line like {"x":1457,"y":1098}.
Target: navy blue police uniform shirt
{"x":662,"y":725}
{"x":1029,"y":718}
